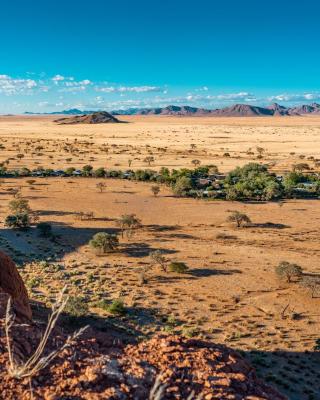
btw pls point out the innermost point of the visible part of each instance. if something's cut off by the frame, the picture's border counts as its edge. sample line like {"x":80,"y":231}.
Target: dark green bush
{"x":178,"y":266}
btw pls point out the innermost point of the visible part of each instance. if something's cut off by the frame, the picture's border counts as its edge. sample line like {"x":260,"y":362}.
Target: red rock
{"x":11,"y":284}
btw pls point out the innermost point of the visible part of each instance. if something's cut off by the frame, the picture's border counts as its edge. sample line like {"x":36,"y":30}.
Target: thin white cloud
{"x":58,"y":78}
{"x":10,"y":86}
{"x":128,"y":89}
{"x":294,"y":97}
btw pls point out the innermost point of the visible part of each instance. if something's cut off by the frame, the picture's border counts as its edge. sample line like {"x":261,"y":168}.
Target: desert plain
{"x":230,"y":293}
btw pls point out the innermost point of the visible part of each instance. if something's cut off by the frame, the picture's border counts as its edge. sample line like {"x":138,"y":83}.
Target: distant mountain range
{"x":72,"y":111}
{"x":237,"y":110}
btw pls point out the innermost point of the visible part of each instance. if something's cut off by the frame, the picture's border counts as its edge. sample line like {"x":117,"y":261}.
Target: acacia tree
{"x":286,"y":270}
{"x":19,"y":206}
{"x":196,"y":163}
{"x":149,"y":160}
{"x":240,"y":219}
{"x":311,"y":283}
{"x":301,"y":167}
{"x":101,"y":186}
{"x":128,"y":223}
{"x":155,"y":189}
{"x":158,"y":258}
{"x":104,"y":242}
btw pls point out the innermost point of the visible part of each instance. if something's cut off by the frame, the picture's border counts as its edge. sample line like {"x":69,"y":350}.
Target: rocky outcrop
{"x":12,"y":285}
{"x":101,"y":117}
{"x":104,"y":371}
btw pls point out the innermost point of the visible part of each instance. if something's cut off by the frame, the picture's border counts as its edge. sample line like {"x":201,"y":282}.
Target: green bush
{"x":77,"y":307}
{"x":18,"y":221}
{"x":104,"y":242}
{"x":182,"y":186}
{"x":178,"y":266}
{"x":117,"y":307}
{"x":252,"y":181}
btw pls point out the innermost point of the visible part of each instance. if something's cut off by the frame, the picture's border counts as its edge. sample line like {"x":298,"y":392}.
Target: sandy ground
{"x":230,"y":294}
{"x":167,"y":139}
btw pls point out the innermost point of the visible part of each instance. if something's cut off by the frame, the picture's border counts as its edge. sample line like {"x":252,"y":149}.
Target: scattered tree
{"x":312,"y":283}
{"x":18,"y":221}
{"x":104,"y":242}
{"x":101,"y":186}
{"x":128,"y":223}
{"x":240,"y":219}
{"x":196,"y":163}
{"x":155,"y":189}
{"x":19,"y":206}
{"x":158,"y":258}
{"x":149,"y":160}
{"x":286,"y":270}
{"x":301,"y":167}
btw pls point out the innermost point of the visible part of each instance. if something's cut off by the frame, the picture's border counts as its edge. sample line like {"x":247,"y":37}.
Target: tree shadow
{"x":181,"y":236}
{"x":143,"y":250}
{"x":268,"y":225}
{"x":206,"y":272}
{"x":53,"y":213}
{"x":162,"y":228}
{"x":295,"y":374}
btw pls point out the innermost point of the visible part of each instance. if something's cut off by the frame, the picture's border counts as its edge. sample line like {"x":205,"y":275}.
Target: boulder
{"x":11,"y":284}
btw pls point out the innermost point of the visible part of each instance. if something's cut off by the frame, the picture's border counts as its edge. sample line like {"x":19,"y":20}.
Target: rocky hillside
{"x":101,"y":366}
{"x":236,"y":110}
{"x":101,"y":117}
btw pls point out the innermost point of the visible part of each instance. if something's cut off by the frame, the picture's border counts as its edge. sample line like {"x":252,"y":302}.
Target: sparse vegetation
{"x":239,"y":219}
{"x":103,"y":242}
{"x":159,"y":259}
{"x":128,"y":223}
{"x":288,"y":271}
{"x":178,"y":267}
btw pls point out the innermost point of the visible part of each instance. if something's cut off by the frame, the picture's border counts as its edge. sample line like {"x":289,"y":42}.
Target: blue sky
{"x":102,"y":54}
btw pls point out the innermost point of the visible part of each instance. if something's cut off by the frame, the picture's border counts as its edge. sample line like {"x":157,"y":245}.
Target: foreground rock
{"x":99,"y":366}
{"x":96,"y":369}
{"x":101,"y":117}
{"x":12,"y":285}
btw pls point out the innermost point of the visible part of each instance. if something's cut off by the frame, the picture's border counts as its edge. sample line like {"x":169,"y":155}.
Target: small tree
{"x":155,"y":189}
{"x":301,"y":167}
{"x":182,"y":186}
{"x":87,"y":170}
{"x":20,"y":156}
{"x":158,"y":258}
{"x":286,"y":270}
{"x":149,"y":160}
{"x":128,"y":223}
{"x":19,"y":206}
{"x":196,"y":163}
{"x":311,"y":283}
{"x":178,"y":267}
{"x":18,"y":221}
{"x":101,"y":186}
{"x":104,"y":242}
{"x":260,"y":151}
{"x":240,"y":219}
